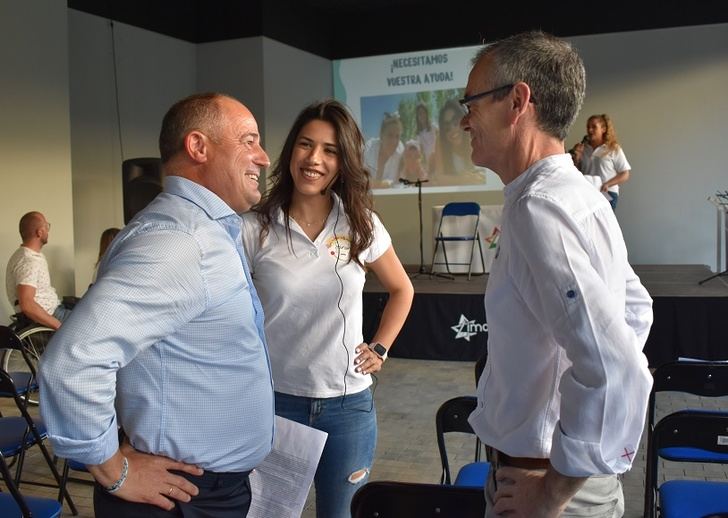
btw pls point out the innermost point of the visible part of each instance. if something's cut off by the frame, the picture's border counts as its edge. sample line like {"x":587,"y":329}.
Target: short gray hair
{"x":551,"y":68}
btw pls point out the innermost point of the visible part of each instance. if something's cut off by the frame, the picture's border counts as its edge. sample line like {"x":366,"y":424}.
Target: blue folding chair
{"x":452,"y":416}
{"x":18,"y":433}
{"x":681,"y":435}
{"x":464,"y":215}
{"x":14,"y":505}
{"x":697,"y":378}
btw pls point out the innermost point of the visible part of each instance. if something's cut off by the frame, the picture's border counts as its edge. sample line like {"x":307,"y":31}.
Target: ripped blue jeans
{"x":351,"y":422}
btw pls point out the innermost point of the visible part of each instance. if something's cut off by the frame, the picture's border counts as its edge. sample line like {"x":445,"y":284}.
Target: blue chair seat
{"x":21,"y":380}
{"x":683,"y":454}
{"x":693,"y":498}
{"x":39,"y":507}
{"x":12,"y":430}
{"x":473,"y":475}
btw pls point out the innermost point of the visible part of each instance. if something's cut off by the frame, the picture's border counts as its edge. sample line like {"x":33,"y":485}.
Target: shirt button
{"x":571,"y":294}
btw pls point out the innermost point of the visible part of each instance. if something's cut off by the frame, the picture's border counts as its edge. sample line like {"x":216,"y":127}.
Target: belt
{"x":213,"y":479}
{"x":498,"y":458}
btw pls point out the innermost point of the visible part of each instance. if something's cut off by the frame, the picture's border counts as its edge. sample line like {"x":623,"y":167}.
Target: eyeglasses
{"x":465,"y":101}
{"x":49,"y":224}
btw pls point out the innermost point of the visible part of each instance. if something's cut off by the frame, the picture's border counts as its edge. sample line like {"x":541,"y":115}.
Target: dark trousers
{"x":222,"y":495}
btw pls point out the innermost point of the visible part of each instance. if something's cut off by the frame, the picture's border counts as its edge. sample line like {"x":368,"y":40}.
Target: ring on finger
{"x":171,"y":488}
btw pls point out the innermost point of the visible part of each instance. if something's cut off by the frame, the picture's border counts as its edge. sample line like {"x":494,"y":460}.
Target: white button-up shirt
{"x":566,"y":378}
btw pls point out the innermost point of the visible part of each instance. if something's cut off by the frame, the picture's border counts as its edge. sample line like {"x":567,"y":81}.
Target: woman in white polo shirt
{"x":309,"y":244}
{"x":602,"y":156}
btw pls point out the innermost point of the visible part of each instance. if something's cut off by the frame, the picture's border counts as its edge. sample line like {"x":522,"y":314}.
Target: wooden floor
{"x":661,"y":280}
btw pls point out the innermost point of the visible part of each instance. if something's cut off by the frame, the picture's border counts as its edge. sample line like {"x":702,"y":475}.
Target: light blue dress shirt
{"x":169,"y":341}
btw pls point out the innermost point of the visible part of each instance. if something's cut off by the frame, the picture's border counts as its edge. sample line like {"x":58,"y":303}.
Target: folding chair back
{"x":688,"y":430}
{"x":469,"y":234}
{"x":409,"y":500}
{"x":698,"y":378}
{"x":452,"y":416}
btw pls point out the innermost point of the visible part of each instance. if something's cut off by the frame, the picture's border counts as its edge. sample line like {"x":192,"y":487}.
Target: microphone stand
{"x":421,"y":270}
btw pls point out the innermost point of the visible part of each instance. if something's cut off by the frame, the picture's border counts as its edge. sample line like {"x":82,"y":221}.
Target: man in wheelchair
{"x":27,"y":280}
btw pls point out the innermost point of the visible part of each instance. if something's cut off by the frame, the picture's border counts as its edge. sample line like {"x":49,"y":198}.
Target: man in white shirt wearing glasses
{"x":562,"y":400}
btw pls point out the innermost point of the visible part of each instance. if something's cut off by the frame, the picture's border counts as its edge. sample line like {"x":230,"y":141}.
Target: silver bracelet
{"x":113,"y":488}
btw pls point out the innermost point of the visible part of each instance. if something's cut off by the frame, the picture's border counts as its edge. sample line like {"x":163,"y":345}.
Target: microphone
{"x":585,"y":140}
{"x":408,"y":182}
{"x":326,"y":189}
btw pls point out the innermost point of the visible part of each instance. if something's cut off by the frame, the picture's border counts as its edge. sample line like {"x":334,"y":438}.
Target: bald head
{"x":30,"y":223}
{"x":201,"y":112}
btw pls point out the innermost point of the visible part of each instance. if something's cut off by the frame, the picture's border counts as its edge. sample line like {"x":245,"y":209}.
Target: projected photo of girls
{"x":417,"y":136}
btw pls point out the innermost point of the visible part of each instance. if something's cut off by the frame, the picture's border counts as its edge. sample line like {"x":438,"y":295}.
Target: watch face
{"x":379,"y":349}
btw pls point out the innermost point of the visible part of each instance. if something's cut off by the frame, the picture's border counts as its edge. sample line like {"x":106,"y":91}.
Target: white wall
{"x":35,"y":170}
{"x":153,"y":72}
{"x":233,"y":67}
{"x":666,"y":92}
{"x":274,"y":80}
{"x":292,"y":79}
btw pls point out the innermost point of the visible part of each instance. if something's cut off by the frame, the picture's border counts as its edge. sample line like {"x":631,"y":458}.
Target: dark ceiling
{"x":338,"y":29}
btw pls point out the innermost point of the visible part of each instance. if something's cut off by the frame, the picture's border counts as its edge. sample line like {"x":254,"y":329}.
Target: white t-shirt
{"x":31,"y":268}
{"x":604,"y":163}
{"x":427,"y":140}
{"x":312,"y":326}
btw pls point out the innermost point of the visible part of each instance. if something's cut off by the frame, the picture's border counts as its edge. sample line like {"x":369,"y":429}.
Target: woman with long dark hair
{"x":309,"y":243}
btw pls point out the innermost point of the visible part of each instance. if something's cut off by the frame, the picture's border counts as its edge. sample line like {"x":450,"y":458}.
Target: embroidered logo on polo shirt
{"x":339,"y":247}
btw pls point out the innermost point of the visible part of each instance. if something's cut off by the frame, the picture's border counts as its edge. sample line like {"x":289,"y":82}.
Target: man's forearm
{"x":37,"y":314}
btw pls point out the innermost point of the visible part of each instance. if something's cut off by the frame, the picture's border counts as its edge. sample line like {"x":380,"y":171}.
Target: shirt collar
{"x":204,"y":198}
{"x":513,"y":189}
{"x":337,"y":201}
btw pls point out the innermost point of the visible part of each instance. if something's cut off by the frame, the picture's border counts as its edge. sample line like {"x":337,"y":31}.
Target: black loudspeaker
{"x":142,"y":181}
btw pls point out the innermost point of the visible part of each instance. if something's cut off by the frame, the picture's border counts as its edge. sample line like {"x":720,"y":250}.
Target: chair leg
{"x":470,"y":262}
{"x":444,"y":254}
{"x":64,"y":481}
{"x":54,"y":470}
{"x":434,"y":254}
{"x":480,"y":249}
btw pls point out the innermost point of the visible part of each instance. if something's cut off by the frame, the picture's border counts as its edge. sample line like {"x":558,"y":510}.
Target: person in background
{"x":452,"y":156}
{"x":426,"y":134}
{"x":562,"y":399}
{"x":169,"y":343}
{"x":603,"y":157}
{"x":27,"y":279}
{"x":382,"y":155}
{"x":411,"y":166}
{"x":107,"y":236}
{"x":310,"y":243}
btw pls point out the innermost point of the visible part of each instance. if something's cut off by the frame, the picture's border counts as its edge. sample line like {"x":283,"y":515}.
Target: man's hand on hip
{"x":148,"y":478}
{"x":533,"y":493}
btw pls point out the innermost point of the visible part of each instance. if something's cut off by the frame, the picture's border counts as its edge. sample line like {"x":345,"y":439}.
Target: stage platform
{"x":448,"y":320}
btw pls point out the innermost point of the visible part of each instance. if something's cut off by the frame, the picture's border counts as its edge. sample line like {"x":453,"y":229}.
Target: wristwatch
{"x":379,"y":350}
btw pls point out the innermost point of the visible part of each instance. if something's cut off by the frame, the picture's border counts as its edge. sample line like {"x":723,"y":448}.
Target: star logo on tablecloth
{"x":465,"y":328}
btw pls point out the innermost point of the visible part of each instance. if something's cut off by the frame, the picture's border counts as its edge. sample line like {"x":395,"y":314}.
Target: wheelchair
{"x":35,"y":338}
